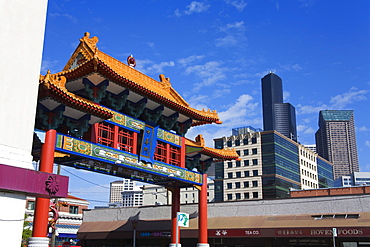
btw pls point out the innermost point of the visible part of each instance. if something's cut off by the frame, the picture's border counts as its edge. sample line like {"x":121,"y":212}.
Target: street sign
{"x":182,"y":219}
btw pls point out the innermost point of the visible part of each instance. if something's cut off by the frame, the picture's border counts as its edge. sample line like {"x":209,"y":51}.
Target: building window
{"x":245,"y":141}
{"x":237,"y":185}
{"x":31,"y":205}
{"x":160,"y":152}
{"x":229,"y":185}
{"x":238,"y":174}
{"x":174,"y":155}
{"x":237,"y":196}
{"x":255,"y":183}
{"x":254,"y":140}
{"x":230,"y":175}
{"x":246,"y":151}
{"x":255,"y":172}
{"x":238,"y":152}
{"x":246,"y":162}
{"x":246,"y":173}
{"x":237,"y":163}
{"x":229,"y":197}
{"x":255,"y":162}
{"x":105,"y":134}
{"x":255,"y":194}
{"x":237,"y":142}
{"x":254,"y":151}
{"x":229,"y":144}
{"x":125,"y":140}
{"x":229,"y":164}
{"x":246,"y":184}
{"x":246,"y":195}
{"x":73,"y":209}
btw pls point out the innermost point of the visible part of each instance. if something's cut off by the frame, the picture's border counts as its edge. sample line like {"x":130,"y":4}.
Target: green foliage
{"x":27,"y":233}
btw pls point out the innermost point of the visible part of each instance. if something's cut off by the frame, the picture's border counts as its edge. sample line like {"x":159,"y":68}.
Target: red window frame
{"x":105,"y":135}
{"x":125,"y":140}
{"x":161,"y":152}
{"x":175,"y":155}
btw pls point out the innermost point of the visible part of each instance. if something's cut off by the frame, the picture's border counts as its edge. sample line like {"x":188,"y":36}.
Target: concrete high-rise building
{"x":271,"y":165}
{"x":117,"y":187}
{"x":336,"y":141}
{"x":277,"y":115}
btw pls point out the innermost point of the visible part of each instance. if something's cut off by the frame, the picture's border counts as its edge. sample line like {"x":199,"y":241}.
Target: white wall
{"x":21,"y":41}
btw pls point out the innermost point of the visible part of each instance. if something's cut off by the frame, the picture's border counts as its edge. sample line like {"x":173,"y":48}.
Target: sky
{"x":216,"y":52}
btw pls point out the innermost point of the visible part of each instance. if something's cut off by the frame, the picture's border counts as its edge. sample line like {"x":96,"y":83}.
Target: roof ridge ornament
{"x":91,"y":42}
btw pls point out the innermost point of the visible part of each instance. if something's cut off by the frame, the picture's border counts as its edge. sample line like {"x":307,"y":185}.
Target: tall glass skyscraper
{"x":336,"y":141}
{"x":277,"y":115}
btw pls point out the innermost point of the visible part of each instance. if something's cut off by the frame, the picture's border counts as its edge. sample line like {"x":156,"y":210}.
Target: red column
{"x":203,"y":214}
{"x":40,"y":221}
{"x":134,"y":148}
{"x":182,"y":153}
{"x":175,"y":207}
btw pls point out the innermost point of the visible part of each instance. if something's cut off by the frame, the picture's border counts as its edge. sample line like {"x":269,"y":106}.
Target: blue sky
{"x":216,"y":53}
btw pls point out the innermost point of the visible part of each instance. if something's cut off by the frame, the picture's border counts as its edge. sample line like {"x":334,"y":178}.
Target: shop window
{"x":73,"y":209}
{"x":125,"y":140}
{"x":31,"y":205}
{"x":160,"y":152}
{"x":105,"y":134}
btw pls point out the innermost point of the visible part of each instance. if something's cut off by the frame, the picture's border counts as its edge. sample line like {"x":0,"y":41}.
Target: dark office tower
{"x":336,"y":141}
{"x":277,"y":115}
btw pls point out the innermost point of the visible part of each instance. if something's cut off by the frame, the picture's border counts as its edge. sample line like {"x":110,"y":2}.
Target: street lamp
{"x":134,"y":225}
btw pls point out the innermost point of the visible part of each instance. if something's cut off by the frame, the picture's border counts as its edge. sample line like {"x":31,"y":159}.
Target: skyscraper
{"x":277,"y":115}
{"x":336,"y":141}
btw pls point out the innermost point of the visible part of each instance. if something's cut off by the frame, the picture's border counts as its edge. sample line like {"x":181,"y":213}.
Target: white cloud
{"x":239,"y":5}
{"x":306,"y":3}
{"x":291,"y":67}
{"x":48,"y":65}
{"x":367,"y":143}
{"x":363,"y":129}
{"x":286,"y":96}
{"x":149,"y":67}
{"x":342,"y":100}
{"x":193,"y":7}
{"x":238,"y":26}
{"x":309,"y":109}
{"x":68,"y":16}
{"x":188,"y":60}
{"x":229,"y":40}
{"x":210,"y":73}
{"x":242,"y":108}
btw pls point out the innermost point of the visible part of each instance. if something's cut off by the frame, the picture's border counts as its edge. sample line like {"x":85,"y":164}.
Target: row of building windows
{"x":309,"y":174}
{"x":308,"y":155}
{"x":308,"y":164}
{"x":246,"y":184}
{"x":246,"y":152}
{"x":238,"y":196}
{"x":239,"y":174}
{"x":309,"y":183}
{"x":253,"y":140}
{"x":245,"y":163}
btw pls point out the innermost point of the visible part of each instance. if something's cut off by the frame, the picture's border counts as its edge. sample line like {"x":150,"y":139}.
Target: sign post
{"x":182,"y":220}
{"x":335,"y":234}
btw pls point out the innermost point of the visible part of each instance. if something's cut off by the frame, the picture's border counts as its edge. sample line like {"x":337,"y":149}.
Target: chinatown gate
{"x":104,"y":116}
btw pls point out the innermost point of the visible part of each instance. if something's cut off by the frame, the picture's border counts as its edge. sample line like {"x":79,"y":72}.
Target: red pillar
{"x":183,"y":153}
{"x":175,"y":207}
{"x":203,"y":215}
{"x":40,"y":221}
